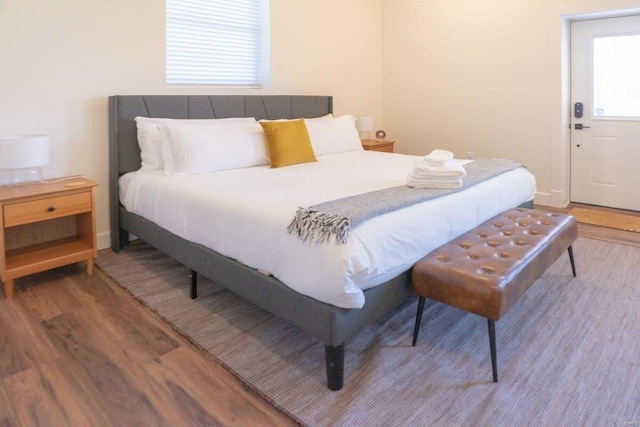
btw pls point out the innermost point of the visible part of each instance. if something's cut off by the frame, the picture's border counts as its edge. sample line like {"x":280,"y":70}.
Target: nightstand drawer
{"x":385,"y":148}
{"x":49,"y":208}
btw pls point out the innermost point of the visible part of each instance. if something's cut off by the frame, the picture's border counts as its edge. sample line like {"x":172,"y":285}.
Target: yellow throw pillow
{"x":288,"y":142}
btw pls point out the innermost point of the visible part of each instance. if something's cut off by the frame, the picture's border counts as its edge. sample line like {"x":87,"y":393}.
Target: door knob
{"x":579,"y":126}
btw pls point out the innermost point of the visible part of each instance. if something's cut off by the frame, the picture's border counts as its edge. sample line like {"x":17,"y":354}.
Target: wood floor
{"x":603,"y":233}
{"x":80,"y":351}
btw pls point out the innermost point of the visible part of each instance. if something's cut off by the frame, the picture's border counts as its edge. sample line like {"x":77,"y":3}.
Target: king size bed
{"x":231,"y":225}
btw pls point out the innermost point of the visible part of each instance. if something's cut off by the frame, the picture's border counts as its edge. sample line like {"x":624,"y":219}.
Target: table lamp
{"x":364,"y":124}
{"x":22,"y":158}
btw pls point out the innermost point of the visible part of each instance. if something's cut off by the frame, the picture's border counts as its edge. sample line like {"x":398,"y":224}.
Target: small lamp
{"x":364,"y":124}
{"x":22,"y":158}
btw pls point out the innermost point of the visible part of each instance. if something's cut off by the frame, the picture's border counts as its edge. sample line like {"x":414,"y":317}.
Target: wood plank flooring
{"x":602,"y":233}
{"x":80,"y":351}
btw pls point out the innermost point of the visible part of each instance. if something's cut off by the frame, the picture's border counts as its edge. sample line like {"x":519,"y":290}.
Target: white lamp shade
{"x":24,"y":151}
{"x":364,"y":123}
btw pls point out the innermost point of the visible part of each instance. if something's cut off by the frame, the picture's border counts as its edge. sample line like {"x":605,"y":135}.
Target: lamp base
{"x":20,"y":176}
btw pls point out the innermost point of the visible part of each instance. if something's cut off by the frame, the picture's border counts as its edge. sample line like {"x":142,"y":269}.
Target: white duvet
{"x":244,"y":213}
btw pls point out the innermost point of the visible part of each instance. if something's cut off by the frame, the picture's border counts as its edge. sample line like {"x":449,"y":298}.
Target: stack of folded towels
{"x":436,"y":170}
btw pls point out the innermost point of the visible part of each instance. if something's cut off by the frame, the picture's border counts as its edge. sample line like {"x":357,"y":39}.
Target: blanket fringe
{"x":309,"y":224}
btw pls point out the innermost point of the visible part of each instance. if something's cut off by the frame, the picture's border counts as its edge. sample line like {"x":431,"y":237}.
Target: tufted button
{"x":443,"y":258}
{"x":473,"y":256}
{"x":464,"y":245}
{"x":520,"y":243}
{"x":492,"y":244}
{"x":504,"y":255}
{"x":507,"y":233}
{"x":498,"y":225}
{"x":483,"y":235}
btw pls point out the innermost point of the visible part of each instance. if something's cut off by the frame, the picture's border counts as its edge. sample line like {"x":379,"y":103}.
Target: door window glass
{"x":616,"y":76}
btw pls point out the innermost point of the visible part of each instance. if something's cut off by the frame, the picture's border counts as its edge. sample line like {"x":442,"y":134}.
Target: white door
{"x":605,"y":129}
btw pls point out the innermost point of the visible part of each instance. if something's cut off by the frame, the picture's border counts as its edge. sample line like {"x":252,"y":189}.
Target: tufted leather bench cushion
{"x":486,"y":270}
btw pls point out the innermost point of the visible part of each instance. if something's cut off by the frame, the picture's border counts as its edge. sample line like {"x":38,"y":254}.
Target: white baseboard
{"x":104,"y":240}
{"x":558,"y":199}
{"x":543,"y":199}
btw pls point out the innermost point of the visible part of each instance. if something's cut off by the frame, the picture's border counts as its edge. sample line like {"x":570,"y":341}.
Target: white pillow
{"x":150,"y":139}
{"x":212,"y":147}
{"x":327,"y":116}
{"x":331,"y":135}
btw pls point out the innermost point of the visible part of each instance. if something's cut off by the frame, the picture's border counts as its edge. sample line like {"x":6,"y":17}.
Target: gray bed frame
{"x":332,"y":325}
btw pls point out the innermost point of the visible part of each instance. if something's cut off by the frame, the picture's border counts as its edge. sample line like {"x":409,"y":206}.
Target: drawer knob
{"x":51,"y":209}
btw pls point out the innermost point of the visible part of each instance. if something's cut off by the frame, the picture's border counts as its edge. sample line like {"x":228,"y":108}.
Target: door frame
{"x":560,"y":193}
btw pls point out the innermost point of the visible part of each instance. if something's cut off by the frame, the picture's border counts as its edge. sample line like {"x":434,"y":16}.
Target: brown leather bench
{"x":486,"y":270}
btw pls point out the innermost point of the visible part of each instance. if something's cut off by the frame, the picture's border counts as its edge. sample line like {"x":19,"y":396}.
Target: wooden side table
{"x":46,"y":225}
{"x":383,"y":145}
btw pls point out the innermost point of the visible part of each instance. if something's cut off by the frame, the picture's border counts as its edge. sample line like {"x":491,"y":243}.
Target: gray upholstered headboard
{"x":124,"y":153}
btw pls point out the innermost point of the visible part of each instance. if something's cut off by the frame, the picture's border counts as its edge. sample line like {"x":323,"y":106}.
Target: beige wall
{"x":484,"y":76}
{"x":62,"y":58}
{"x":469,"y":75}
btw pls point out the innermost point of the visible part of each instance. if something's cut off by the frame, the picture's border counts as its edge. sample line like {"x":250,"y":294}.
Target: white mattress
{"x":244,"y":213}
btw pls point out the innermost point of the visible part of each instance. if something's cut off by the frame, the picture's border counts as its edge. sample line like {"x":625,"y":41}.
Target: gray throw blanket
{"x":336,"y":218}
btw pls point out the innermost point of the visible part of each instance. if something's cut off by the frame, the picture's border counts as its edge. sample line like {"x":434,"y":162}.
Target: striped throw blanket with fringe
{"x":334,"y":219}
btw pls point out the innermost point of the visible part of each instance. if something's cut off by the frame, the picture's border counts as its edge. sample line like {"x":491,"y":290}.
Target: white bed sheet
{"x":244,"y":213}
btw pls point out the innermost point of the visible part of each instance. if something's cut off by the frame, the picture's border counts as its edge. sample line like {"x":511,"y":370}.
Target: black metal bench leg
{"x":416,"y":328}
{"x":194,"y":285}
{"x":334,"y":357}
{"x":573,"y":263}
{"x":492,"y":343}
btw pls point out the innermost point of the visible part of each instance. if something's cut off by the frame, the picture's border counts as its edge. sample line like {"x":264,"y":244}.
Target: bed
{"x":334,"y":322}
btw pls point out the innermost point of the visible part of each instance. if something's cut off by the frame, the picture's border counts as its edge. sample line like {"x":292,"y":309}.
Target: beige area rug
{"x":607,"y":219}
{"x":568,"y":352}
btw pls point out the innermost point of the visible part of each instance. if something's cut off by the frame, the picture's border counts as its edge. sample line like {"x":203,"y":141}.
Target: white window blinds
{"x":215,"y":42}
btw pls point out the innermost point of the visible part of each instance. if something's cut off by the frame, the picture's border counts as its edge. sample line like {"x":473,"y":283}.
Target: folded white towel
{"x":434,"y":183}
{"x":417,"y":180}
{"x":438,"y":157}
{"x":436,"y":170}
{"x":448,"y":169}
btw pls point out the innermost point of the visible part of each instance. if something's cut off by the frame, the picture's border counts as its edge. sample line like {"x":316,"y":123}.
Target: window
{"x":616,"y":76}
{"x":217,"y":42}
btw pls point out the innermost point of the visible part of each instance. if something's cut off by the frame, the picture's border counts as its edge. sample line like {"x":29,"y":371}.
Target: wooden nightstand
{"x":384,"y":145}
{"x":46,"y":225}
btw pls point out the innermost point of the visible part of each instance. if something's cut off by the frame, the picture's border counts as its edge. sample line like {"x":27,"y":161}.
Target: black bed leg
{"x":416,"y":328}
{"x":573,"y":263}
{"x":194,"y":285}
{"x":334,"y":357}
{"x":492,"y":343}
{"x":123,"y":238}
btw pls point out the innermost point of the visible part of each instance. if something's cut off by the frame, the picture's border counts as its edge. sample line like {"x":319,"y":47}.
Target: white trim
{"x":561,"y":111}
{"x":104,"y":240}
{"x":543,"y":199}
